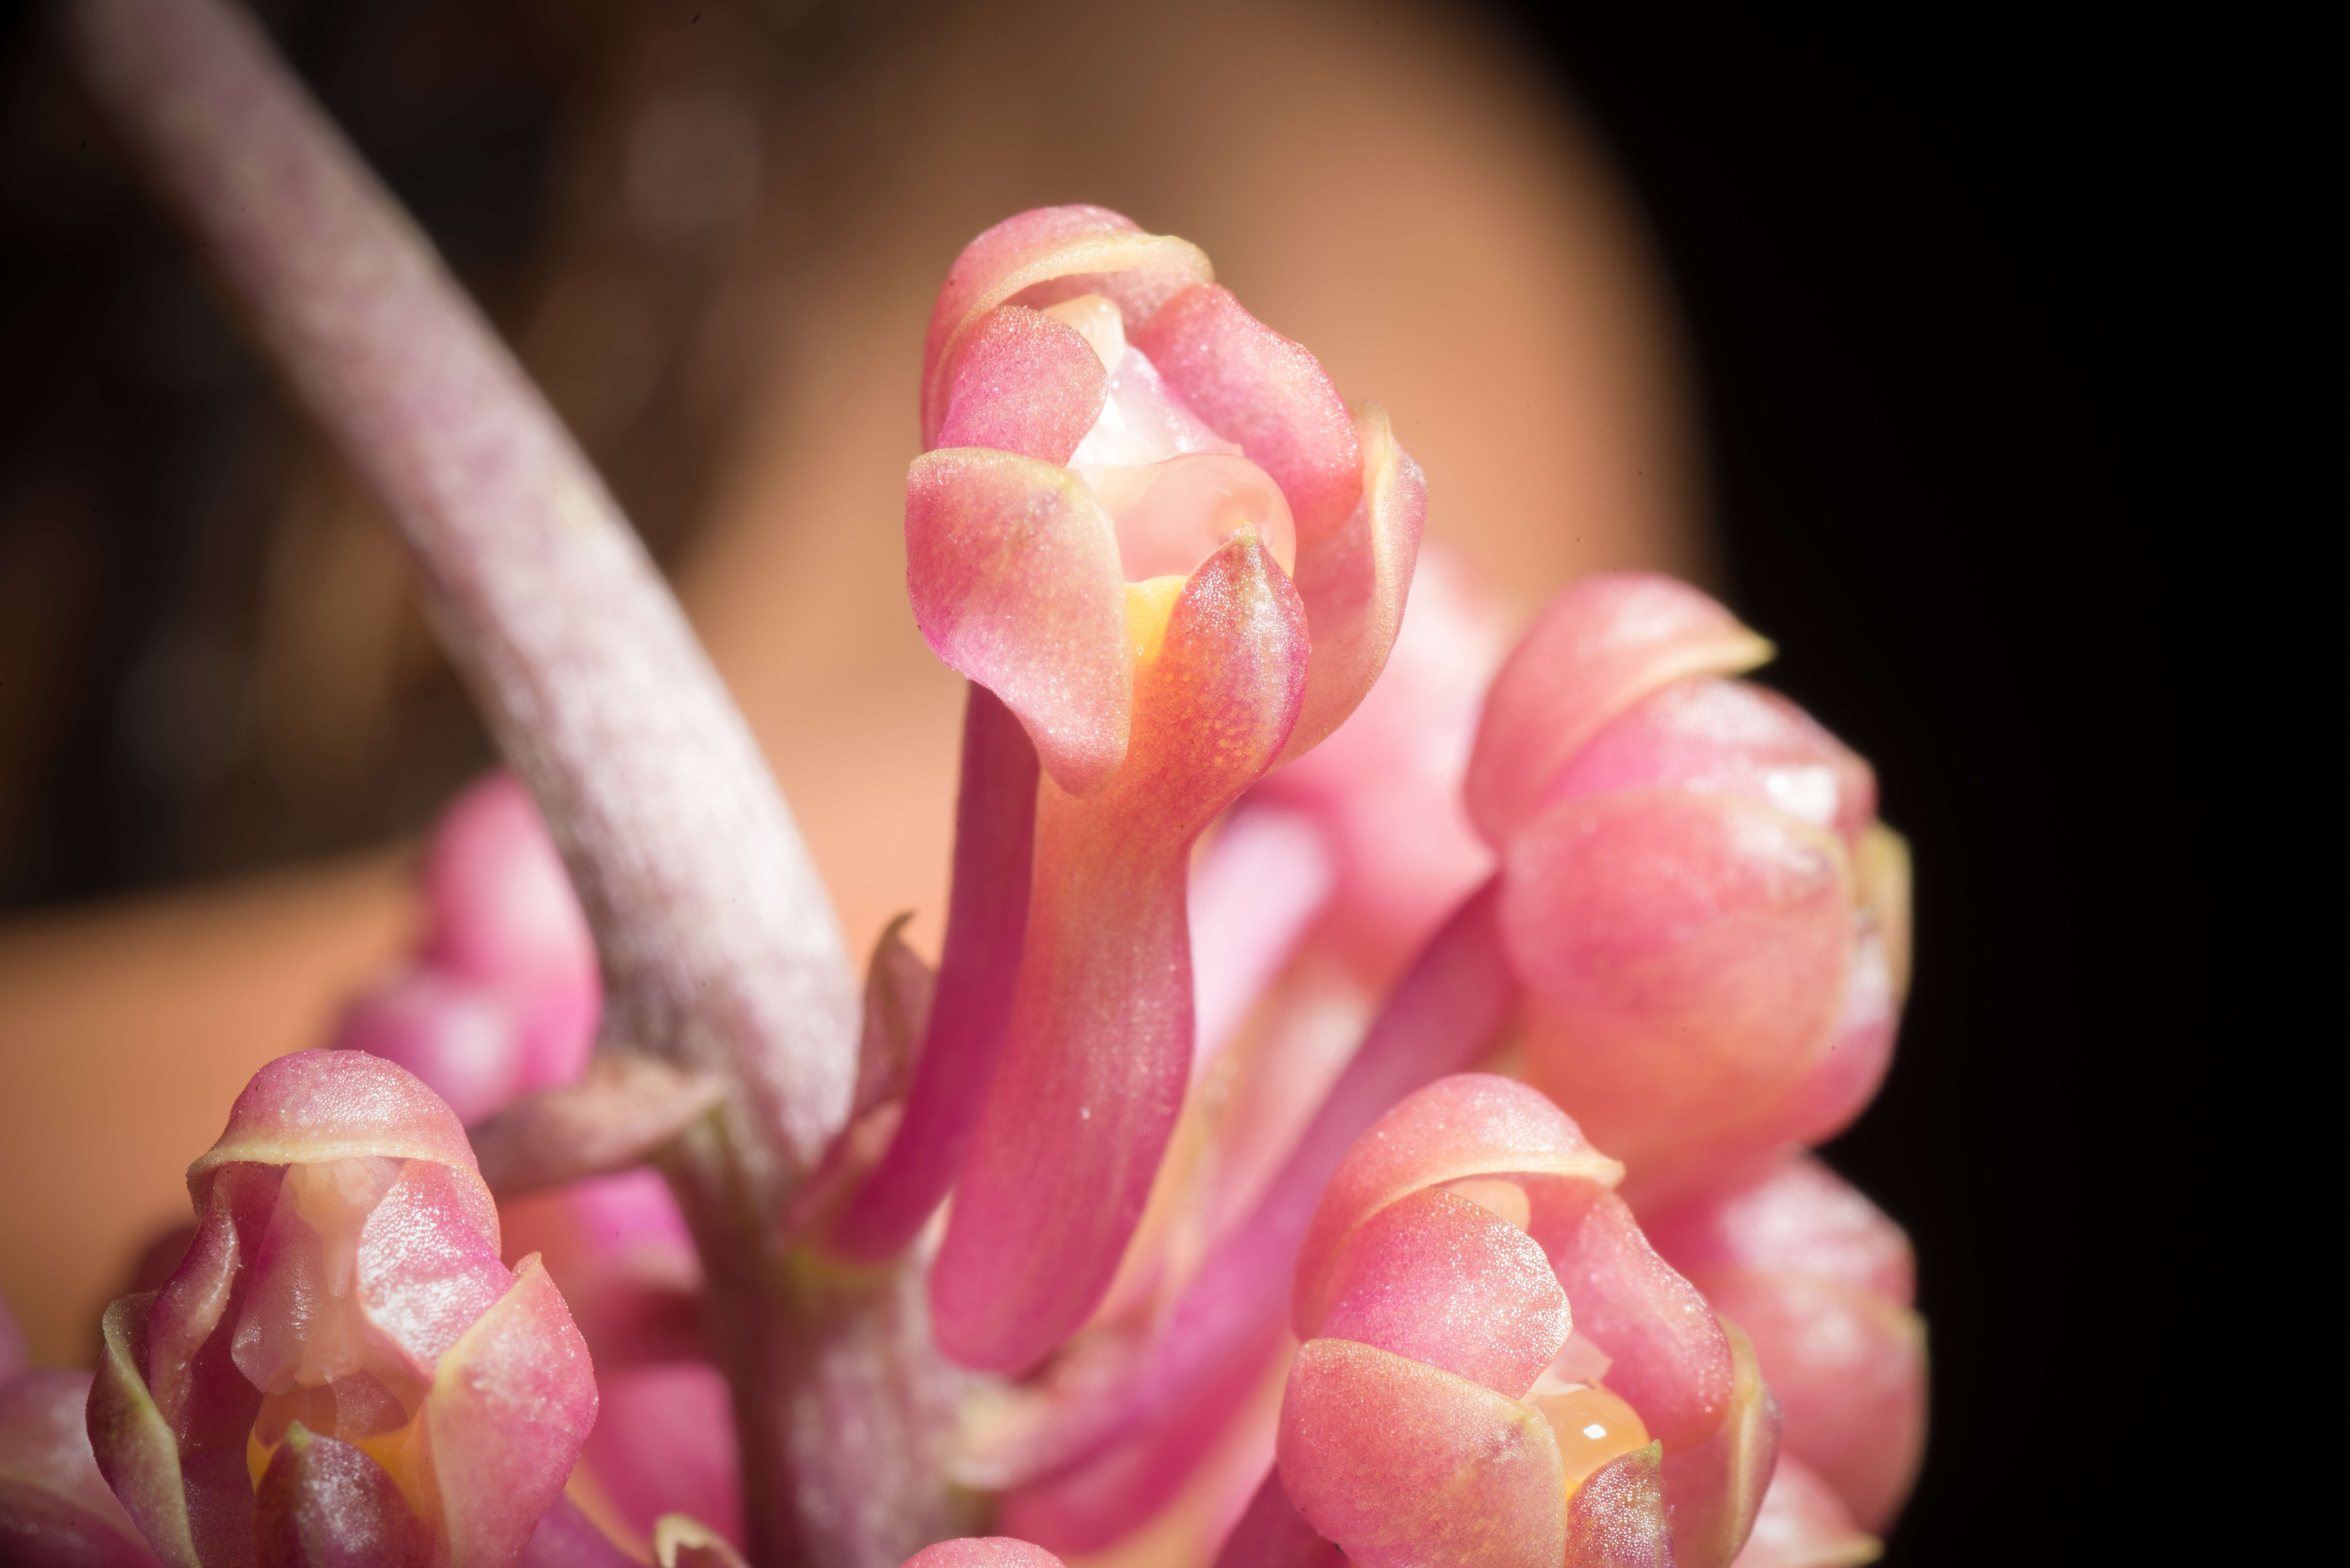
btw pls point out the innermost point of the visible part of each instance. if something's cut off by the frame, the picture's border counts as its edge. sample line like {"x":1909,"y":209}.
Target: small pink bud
{"x":341,"y":1369}
{"x":984,"y":1552}
{"x":1467,"y":1280}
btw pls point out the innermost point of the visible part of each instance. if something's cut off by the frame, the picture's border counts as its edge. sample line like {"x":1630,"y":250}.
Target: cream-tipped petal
{"x":1014,"y":572}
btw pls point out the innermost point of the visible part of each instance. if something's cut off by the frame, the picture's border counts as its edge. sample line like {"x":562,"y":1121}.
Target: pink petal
{"x":1099,"y":1042}
{"x":1013,"y":567}
{"x":664,"y":1443}
{"x":317,"y":1106}
{"x":984,"y":1552}
{"x":1353,"y":579}
{"x":1602,"y":645}
{"x":323,"y":1503}
{"x":1859,"y":1051}
{"x":428,"y":1261}
{"x":1257,"y":388}
{"x":1617,"y":1518}
{"x":1435,"y":1277}
{"x":1849,"y":1369}
{"x":1471,"y":1124}
{"x":1803,"y":1524}
{"x":1685,"y":957}
{"x":1172,"y":514}
{"x":1716,"y":1488}
{"x":1726,"y":737}
{"x":1667,"y":1354}
{"x":1797,"y":1215}
{"x":511,"y":1405}
{"x":987,"y":924}
{"x":1040,"y":257}
{"x":1386,"y":783}
{"x":1404,"y":1465}
{"x":1273,"y":1534}
{"x":55,"y":1506}
{"x":1024,"y":383}
{"x":564,"y":1538}
{"x":459,"y":1036}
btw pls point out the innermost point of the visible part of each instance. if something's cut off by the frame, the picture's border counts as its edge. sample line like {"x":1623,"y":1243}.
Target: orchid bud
{"x":1710,"y":923}
{"x":55,"y":1508}
{"x":1149,"y":527}
{"x":1822,"y":1281}
{"x":341,"y":1369}
{"x":505,"y":995}
{"x":1497,"y":1368}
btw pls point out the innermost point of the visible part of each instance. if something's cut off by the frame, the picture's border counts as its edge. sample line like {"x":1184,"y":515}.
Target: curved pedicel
{"x":341,"y":1341}
{"x":1822,"y":1280}
{"x":1463,"y":1393}
{"x":1119,"y":1423}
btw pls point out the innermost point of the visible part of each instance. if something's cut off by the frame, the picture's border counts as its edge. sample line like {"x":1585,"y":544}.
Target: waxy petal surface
{"x":1013,"y":568}
{"x":318,"y":1105}
{"x":1257,"y":388}
{"x":326,"y":1504}
{"x":1716,"y":1488}
{"x":1471,"y":1124}
{"x":1353,"y":579}
{"x":1435,"y":1277}
{"x":984,"y":1552}
{"x":1024,"y":383}
{"x":1849,"y":1367}
{"x":1099,"y":1042}
{"x":512,"y":1403}
{"x":1714,"y":736}
{"x":1601,"y":646}
{"x":1040,"y":257}
{"x":1795,"y":1215}
{"x":1669,"y":1354}
{"x":1685,"y":957}
{"x":1618,"y":1518}
{"x":1403,"y":1464}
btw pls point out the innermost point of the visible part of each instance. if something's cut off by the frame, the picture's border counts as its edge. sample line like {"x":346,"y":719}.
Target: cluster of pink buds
{"x":1389,"y":1153}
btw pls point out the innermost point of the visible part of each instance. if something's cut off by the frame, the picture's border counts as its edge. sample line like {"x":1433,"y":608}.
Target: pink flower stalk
{"x":1822,"y":1281}
{"x":55,"y":1509}
{"x":341,"y":1370}
{"x":1711,"y":925}
{"x":1495,"y":1365}
{"x":1148,"y":524}
{"x":505,"y":996}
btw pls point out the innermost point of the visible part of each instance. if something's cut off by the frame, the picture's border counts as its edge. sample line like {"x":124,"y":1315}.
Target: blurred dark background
{"x":1945,"y":275}
{"x":1943,"y":328}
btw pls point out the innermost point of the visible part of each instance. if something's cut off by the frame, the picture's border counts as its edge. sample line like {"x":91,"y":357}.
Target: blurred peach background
{"x":725,"y":294}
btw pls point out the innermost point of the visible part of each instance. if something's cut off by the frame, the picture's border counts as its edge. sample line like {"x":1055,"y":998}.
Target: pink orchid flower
{"x":341,"y":1369}
{"x":1711,"y":925}
{"x":1495,"y":1365}
{"x":1147,"y":525}
{"x":56,"y":1509}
